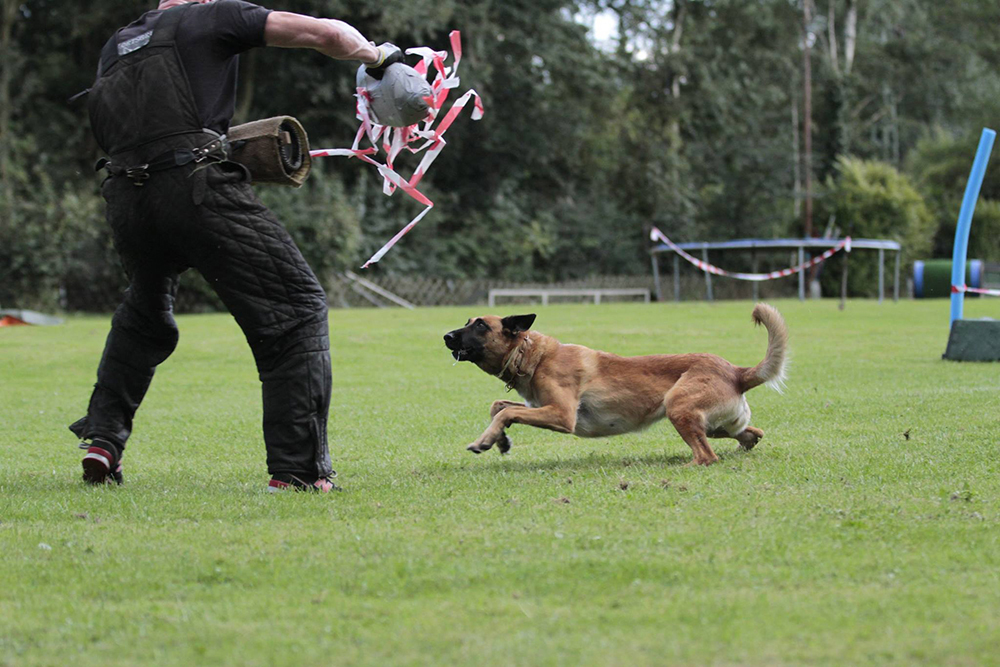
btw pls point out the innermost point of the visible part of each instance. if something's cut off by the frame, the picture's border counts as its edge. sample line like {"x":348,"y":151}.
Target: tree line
{"x":711,"y":119}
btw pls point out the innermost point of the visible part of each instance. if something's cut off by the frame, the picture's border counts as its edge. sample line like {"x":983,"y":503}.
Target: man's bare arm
{"x":330,"y":37}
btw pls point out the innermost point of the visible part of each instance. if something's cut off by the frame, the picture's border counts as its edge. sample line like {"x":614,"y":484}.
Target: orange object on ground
{"x":11,"y":321}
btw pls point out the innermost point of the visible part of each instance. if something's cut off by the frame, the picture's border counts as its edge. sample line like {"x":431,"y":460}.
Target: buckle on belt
{"x":138,"y":175}
{"x":201,"y":153}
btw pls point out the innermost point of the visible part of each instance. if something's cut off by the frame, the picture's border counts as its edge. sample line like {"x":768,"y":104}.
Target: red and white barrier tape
{"x":974,"y":290}
{"x":845,"y":245}
{"x":397,"y":139}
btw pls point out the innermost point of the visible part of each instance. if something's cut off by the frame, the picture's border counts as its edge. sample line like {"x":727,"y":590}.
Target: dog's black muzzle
{"x":462,"y":348}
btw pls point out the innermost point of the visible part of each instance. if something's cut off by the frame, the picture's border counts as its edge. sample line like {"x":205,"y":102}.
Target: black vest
{"x":142,"y":94}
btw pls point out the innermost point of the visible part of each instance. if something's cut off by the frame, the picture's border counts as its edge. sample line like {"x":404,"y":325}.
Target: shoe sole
{"x":96,"y":469}
{"x":274,"y":486}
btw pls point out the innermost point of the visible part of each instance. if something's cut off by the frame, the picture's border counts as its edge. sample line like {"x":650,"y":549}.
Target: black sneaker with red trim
{"x":102,"y":463}
{"x":288,"y":482}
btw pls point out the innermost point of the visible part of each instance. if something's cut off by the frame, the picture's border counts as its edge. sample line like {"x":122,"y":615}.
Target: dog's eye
{"x":482,"y":325}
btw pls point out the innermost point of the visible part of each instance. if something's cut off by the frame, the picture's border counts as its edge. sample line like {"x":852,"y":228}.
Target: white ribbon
{"x":655,"y":234}
{"x":395,"y":140}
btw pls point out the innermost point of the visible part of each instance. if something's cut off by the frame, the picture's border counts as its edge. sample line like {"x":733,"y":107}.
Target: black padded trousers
{"x":210,"y":219}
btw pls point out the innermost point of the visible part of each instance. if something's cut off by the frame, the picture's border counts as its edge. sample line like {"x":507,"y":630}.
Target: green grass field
{"x":838,"y":540}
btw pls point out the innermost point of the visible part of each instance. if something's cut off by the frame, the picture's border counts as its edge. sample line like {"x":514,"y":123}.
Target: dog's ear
{"x":515,"y":324}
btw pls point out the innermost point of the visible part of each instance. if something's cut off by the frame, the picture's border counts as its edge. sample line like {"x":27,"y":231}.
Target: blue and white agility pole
{"x":965,"y":222}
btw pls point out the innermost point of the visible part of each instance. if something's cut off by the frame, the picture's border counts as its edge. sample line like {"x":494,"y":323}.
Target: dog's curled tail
{"x":770,"y":371}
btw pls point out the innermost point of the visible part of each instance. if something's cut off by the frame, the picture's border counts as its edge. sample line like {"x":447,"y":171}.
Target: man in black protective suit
{"x":160,"y":107}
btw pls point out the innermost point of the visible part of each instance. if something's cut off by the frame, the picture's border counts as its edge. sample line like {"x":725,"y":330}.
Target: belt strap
{"x":216,"y":150}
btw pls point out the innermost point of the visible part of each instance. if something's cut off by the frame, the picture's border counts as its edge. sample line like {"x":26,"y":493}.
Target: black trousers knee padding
{"x":251,"y":262}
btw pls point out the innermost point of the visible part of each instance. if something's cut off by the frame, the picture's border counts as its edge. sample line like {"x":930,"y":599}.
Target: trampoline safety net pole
{"x":965,"y":221}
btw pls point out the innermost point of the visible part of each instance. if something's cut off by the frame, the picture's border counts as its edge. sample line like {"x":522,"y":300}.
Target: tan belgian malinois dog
{"x":573,"y":389}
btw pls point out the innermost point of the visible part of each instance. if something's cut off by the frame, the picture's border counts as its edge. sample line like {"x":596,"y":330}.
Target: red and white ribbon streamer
{"x":656,"y":235}
{"x":974,"y":290}
{"x":414,"y":138}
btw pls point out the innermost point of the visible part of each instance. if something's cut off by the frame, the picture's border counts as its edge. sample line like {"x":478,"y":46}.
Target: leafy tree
{"x":691,"y":121}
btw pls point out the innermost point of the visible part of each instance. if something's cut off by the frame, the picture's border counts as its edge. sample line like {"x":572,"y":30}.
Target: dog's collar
{"x":509,"y":362}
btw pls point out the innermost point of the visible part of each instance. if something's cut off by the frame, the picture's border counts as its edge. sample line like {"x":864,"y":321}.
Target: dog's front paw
{"x":478,"y":448}
{"x":503,"y":444}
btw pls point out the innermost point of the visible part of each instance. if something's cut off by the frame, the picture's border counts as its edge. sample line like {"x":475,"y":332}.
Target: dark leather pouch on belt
{"x":274,"y":150}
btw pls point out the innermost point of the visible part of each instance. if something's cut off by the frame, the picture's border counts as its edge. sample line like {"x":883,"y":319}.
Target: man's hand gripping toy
{"x":388,"y":54}
{"x":398,"y":105}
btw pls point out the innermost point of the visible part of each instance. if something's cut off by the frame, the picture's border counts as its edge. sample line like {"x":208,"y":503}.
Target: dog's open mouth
{"x":473,"y":354}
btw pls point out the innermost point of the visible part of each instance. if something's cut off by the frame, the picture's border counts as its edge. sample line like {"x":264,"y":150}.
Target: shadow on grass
{"x":592,"y":461}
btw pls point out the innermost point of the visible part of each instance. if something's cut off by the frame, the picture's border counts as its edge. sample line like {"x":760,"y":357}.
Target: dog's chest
{"x":522,"y":386}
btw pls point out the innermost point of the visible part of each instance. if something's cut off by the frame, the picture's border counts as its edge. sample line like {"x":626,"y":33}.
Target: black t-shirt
{"x":210,"y":38}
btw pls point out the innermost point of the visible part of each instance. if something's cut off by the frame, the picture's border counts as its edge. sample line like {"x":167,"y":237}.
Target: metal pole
{"x":802,"y":274}
{"x":753,"y":268}
{"x":895,"y":278}
{"x":708,"y":275}
{"x":843,"y":282}
{"x":881,"y":274}
{"x":677,"y":277}
{"x":655,"y":258}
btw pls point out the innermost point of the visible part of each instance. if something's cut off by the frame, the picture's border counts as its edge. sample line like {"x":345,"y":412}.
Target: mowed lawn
{"x":864,"y":528}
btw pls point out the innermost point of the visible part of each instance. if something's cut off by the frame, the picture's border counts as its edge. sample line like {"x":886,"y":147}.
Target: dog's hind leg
{"x":749,"y":437}
{"x":686,"y":405}
{"x":691,"y":427}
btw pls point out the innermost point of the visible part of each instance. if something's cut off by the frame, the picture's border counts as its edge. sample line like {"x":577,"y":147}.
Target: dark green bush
{"x":871,"y":199}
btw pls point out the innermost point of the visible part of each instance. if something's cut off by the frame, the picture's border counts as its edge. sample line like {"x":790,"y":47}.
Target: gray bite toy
{"x":398,"y":98}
